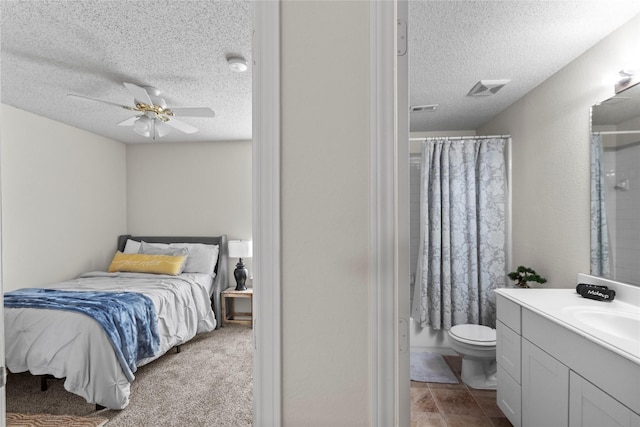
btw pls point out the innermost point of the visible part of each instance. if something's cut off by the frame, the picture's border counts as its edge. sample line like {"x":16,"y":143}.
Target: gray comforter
{"x":75,"y":346}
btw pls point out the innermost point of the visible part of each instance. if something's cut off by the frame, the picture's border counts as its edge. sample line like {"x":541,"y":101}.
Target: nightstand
{"x":231,"y":316}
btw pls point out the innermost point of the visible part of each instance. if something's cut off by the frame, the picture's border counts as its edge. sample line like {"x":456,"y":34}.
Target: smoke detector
{"x":487,"y":87}
{"x":237,"y":64}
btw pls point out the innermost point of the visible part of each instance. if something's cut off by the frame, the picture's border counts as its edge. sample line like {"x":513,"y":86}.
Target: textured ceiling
{"x":454,"y":44}
{"x":52,"y":48}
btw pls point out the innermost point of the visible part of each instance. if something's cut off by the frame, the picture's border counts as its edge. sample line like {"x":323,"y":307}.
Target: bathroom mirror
{"x":615,"y":187}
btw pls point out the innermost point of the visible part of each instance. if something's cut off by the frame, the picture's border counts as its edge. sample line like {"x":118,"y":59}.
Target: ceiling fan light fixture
{"x":237,"y":64}
{"x":161,"y":129}
{"x":142,"y":126}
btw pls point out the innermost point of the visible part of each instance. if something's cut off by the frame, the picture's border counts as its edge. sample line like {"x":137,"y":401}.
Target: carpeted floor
{"x":209,"y":383}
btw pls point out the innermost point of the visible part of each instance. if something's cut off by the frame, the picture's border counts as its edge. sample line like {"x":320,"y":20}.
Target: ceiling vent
{"x":419,"y":108}
{"x":487,"y":87}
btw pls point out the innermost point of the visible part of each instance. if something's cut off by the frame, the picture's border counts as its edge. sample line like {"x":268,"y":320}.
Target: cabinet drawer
{"x":508,"y":397}
{"x":508,"y":353}
{"x":508,"y":312}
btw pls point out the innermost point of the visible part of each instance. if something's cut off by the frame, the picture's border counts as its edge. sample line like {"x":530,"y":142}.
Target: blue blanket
{"x":128,"y":318}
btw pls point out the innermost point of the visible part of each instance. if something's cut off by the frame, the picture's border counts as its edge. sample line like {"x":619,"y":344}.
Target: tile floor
{"x":454,"y":405}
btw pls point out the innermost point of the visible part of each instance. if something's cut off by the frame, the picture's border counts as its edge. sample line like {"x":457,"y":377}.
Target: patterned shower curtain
{"x":600,"y":263}
{"x":461,"y":258}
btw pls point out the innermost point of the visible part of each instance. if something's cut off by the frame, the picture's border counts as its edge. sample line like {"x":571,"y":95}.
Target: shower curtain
{"x":600,"y":265}
{"x":461,"y":258}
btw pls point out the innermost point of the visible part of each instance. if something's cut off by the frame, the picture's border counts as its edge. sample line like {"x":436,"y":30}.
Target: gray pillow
{"x":149,"y":249}
{"x":201,"y":258}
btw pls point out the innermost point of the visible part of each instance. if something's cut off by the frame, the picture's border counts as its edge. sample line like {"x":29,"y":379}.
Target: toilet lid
{"x":474,"y":334}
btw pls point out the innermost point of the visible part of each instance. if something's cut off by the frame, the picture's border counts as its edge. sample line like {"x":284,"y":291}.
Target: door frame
{"x":384,"y":351}
{"x":389,"y":399}
{"x":267,"y":354}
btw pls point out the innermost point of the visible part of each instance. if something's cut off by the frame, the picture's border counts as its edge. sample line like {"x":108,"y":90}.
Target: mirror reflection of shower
{"x":622,"y":195}
{"x":616,"y":123}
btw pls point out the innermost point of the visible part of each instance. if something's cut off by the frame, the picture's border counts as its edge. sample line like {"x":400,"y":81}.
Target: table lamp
{"x":240,"y":249}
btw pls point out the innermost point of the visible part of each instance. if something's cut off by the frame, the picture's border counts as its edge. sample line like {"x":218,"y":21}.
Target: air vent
{"x":427,"y":108}
{"x":487,"y":87}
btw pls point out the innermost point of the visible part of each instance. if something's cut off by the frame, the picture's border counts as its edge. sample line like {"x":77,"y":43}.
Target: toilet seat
{"x":474,"y":334}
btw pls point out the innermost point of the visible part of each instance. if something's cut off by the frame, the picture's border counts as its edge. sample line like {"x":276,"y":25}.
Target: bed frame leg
{"x":43,"y":383}
{"x":99,"y":407}
{"x":177,"y":349}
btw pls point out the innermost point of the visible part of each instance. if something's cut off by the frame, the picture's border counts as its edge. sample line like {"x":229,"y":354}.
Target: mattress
{"x":73,"y":346}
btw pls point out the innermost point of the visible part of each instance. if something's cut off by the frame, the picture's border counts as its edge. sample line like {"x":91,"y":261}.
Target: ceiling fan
{"x":154,"y":119}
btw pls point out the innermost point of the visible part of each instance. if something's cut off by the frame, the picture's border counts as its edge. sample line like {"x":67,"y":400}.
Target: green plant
{"x":525,"y":274}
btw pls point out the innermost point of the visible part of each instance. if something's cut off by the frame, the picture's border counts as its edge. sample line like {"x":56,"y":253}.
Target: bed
{"x":95,"y":330}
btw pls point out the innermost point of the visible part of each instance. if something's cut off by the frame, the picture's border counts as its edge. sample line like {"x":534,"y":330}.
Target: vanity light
{"x":625,"y":76}
{"x":626,"y":79}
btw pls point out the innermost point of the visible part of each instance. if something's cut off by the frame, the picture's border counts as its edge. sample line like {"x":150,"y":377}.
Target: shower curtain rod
{"x":615,"y":132}
{"x":425,"y":138}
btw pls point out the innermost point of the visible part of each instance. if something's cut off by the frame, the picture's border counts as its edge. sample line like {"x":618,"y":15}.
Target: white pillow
{"x":131,"y":247}
{"x":202,"y":258}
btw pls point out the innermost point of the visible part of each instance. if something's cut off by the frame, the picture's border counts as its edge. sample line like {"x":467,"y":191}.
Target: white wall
{"x":67,"y":194}
{"x":325,"y":212}
{"x":190,"y":189}
{"x":550,"y":131}
{"x":63,"y":199}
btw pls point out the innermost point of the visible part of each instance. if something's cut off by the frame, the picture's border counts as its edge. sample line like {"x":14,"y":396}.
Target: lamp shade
{"x":240,"y":248}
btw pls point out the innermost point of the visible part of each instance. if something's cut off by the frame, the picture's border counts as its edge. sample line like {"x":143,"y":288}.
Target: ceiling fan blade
{"x":193,"y":112}
{"x":100,"y":100}
{"x":129,"y":122}
{"x":181,"y":126}
{"x":139,"y":93}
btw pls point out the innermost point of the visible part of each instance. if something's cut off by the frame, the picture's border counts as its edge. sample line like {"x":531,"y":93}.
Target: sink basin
{"x":623,"y":324}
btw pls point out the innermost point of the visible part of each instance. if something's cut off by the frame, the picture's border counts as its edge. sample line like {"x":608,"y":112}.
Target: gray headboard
{"x":221,"y":280}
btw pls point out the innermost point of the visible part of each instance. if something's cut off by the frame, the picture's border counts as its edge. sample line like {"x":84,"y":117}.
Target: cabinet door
{"x":591,"y":407}
{"x":508,"y":397}
{"x":545,"y":389}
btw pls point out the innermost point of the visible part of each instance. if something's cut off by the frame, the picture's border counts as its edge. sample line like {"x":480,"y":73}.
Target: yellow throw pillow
{"x":143,"y":263}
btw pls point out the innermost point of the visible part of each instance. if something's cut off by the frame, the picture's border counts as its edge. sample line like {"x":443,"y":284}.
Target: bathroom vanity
{"x":564,"y":360}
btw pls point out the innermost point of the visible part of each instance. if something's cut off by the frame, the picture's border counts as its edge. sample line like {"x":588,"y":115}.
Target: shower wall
{"x":622,"y":181}
{"x":623,"y":203}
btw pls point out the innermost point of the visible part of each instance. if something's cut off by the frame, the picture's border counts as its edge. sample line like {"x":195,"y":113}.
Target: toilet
{"x":477,"y":346}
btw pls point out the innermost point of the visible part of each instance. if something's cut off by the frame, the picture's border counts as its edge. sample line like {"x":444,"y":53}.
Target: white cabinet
{"x":508,"y":397}
{"x":508,"y":359}
{"x":508,"y":350}
{"x":551,"y":376}
{"x":545,"y":388}
{"x":591,"y":407}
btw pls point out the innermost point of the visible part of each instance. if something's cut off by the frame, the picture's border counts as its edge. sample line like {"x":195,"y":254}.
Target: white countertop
{"x":565,"y":306}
